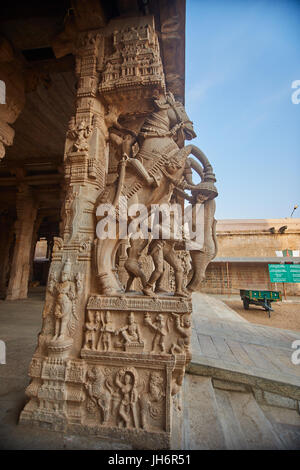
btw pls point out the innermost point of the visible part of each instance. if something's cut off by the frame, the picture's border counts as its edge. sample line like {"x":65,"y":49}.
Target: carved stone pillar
{"x":108,"y":362}
{"x":24,"y":227}
{"x":12,"y":80}
{"x":49,"y":247}
{"x":6,"y":239}
{"x":70,"y":281}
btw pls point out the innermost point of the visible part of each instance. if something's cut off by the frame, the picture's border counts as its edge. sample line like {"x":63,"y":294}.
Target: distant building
{"x":246,"y":247}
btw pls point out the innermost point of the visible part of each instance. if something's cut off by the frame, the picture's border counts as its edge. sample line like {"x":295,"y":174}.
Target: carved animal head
{"x":178,"y":115}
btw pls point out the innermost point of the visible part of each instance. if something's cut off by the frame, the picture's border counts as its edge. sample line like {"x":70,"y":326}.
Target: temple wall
{"x":250,"y":239}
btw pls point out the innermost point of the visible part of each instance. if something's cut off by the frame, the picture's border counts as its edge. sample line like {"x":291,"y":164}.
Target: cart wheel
{"x":246,"y":303}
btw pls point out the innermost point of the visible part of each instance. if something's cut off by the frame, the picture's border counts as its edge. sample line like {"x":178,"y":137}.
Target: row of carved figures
{"x":99,"y":333}
{"x":130,"y":400}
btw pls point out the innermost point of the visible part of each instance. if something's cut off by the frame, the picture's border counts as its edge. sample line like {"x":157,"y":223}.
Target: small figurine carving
{"x":183,"y":326}
{"x":151,"y":400}
{"x":163,"y":250}
{"x":132,"y":264}
{"x":95,"y":387}
{"x":52,"y":282}
{"x":131,"y":334}
{"x":107,"y":330}
{"x":160,"y":328}
{"x":80,"y":133}
{"x":91,"y":327}
{"x":66,"y":294}
{"x":127,"y":381}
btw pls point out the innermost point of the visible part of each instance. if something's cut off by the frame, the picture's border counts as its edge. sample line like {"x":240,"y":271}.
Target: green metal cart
{"x":262,"y":298}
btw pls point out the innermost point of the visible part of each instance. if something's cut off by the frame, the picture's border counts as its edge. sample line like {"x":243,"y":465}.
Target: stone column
{"x":49,"y":247}
{"x":12,"y":93}
{"x":24,"y":226}
{"x":129,"y":349}
{"x":6,"y":239}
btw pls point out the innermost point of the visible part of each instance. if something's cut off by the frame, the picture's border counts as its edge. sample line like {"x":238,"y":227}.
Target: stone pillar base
{"x":125,"y":383}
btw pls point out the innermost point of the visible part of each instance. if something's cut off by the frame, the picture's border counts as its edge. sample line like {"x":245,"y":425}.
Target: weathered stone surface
{"x":19,"y":326}
{"x":203,"y":428}
{"x":108,"y":359}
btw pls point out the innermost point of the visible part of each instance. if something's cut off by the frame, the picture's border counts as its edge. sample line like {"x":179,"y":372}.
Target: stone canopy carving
{"x":135,"y":61}
{"x":116,"y":331}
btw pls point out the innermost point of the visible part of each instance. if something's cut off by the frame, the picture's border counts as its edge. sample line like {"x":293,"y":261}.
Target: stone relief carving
{"x":152,"y":400}
{"x":65,"y":293}
{"x":160,"y":167}
{"x":99,"y":393}
{"x":136,"y":59}
{"x":127,"y":381}
{"x":80,"y":134}
{"x":131,"y":335}
{"x":75,"y":372}
{"x":116,"y":368}
{"x":183,"y":327}
{"x":107,"y":330}
{"x":160,"y":251}
{"x":91,"y":328}
{"x":160,"y":328}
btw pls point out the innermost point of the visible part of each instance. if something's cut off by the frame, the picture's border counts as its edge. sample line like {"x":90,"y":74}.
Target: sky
{"x":241,"y":60}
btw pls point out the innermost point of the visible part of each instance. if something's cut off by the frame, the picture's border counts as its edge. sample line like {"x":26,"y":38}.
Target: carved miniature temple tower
{"x":113,"y":347}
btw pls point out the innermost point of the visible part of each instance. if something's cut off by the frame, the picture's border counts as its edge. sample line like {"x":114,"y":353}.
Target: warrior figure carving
{"x":160,"y":166}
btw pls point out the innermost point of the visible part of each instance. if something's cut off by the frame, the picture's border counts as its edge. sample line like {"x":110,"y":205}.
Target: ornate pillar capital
{"x":12,"y":78}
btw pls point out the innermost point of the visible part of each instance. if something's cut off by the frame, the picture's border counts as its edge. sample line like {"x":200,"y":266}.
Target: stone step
{"x":228,"y":349}
{"x":214,"y":418}
{"x":202,"y":428}
{"x":213,"y":308}
{"x":286,"y":424}
{"x":244,"y":424}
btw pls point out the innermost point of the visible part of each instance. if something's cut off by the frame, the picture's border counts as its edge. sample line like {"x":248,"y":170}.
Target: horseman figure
{"x":151,"y":175}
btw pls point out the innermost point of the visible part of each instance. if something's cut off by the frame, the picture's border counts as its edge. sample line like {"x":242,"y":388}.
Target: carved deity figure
{"x":123,"y":138}
{"x":125,"y":141}
{"x":107,"y":330}
{"x":160,"y":251}
{"x":131,"y":332}
{"x":183,"y":327}
{"x":132,"y":264}
{"x":80,"y":134}
{"x":151,"y":400}
{"x":66,"y":293}
{"x":99,"y":391}
{"x":160,"y":328}
{"x":126,"y":380}
{"x":91,"y":328}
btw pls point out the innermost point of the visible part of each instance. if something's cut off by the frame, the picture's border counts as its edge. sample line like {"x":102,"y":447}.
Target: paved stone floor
{"x":221,"y":341}
{"x":20,"y":323}
{"x":225,"y":347}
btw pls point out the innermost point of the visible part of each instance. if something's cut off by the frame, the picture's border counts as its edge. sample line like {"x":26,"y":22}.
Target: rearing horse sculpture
{"x":151,"y":176}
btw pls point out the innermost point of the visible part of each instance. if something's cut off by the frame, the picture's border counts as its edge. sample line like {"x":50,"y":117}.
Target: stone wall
{"x":250,"y":239}
{"x":242,"y":276}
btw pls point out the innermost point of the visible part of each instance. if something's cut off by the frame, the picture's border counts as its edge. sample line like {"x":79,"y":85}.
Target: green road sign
{"x":284,"y":272}
{"x":279,"y":272}
{"x":294,"y":272}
